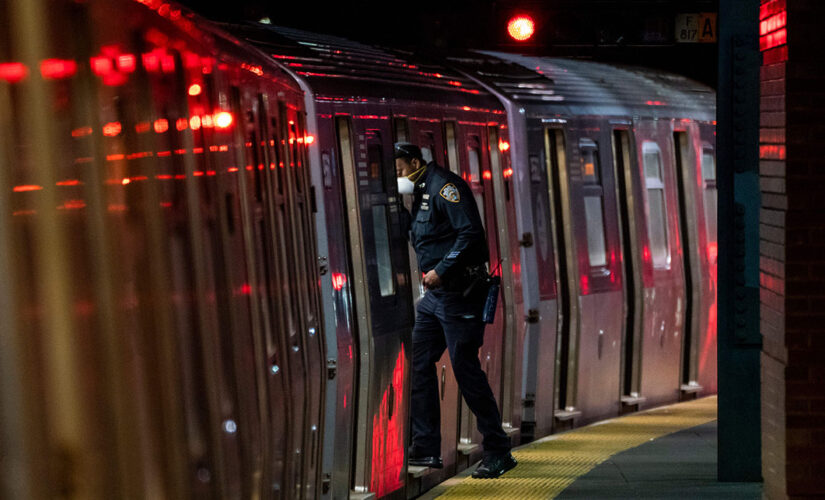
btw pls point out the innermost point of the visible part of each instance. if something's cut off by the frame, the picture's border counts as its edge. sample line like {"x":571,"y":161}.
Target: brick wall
{"x":792,"y":247}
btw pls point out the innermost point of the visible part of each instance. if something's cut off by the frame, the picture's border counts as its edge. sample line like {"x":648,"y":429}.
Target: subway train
{"x":208,"y":292}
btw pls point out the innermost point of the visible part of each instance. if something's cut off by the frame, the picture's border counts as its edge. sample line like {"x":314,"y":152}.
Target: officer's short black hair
{"x":408,"y":151}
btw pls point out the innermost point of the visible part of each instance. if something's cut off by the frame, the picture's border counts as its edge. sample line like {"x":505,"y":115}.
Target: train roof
{"x":556,"y":86}
{"x":209,"y":36}
{"x":335,"y":67}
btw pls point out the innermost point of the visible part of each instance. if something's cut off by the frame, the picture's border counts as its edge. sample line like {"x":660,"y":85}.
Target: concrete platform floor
{"x":681,"y":465}
{"x":663,"y":453}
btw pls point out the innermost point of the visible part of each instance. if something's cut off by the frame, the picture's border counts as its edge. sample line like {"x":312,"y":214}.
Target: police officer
{"x":451,"y":247}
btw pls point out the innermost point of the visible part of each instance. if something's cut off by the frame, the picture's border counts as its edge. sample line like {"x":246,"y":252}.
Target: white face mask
{"x":405,"y":186}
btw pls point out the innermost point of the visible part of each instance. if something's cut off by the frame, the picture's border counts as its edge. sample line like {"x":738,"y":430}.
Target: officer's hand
{"x":432,"y":280}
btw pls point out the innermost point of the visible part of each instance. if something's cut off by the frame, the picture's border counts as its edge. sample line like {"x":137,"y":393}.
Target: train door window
{"x":452,"y":148}
{"x":402,"y":129}
{"x":474,"y":156}
{"x":709,"y":181}
{"x":427,"y":145}
{"x":375,"y":161}
{"x":383,"y":260}
{"x":593,"y":203}
{"x":656,"y":205}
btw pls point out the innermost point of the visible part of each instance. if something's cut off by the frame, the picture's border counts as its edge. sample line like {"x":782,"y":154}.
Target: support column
{"x":739,"y":338}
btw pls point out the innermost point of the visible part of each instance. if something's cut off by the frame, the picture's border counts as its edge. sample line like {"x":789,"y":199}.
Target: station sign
{"x":696,"y":28}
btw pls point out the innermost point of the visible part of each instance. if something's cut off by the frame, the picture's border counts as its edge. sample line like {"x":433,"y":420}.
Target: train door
{"x":304,"y":278}
{"x":706,"y":360}
{"x":539,"y":350}
{"x":565,"y":245}
{"x":685,"y":161}
{"x":511,"y":292}
{"x":477,"y":171}
{"x":339,"y":316}
{"x":696,"y":183}
{"x":382,"y":298}
{"x":432,"y":137}
{"x":601,"y":300}
{"x":630,"y":207}
{"x":239,"y":345}
{"x":264,"y":229}
{"x":665,"y":297}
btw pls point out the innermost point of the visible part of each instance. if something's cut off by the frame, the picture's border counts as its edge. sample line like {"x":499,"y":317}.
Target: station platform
{"x":663,"y":453}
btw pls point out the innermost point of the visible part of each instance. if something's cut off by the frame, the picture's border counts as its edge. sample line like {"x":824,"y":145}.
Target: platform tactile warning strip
{"x":546,"y":467}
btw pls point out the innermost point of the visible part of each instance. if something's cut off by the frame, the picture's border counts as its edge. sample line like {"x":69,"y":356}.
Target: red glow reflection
{"x":27,"y":187}
{"x":388,"y":435}
{"x":161,"y":125}
{"x":223,"y":119}
{"x":713,"y":250}
{"x":585,"y":281}
{"x":13,"y":72}
{"x":58,"y":68}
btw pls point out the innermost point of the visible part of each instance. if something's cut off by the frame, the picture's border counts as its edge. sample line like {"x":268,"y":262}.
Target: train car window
{"x":375,"y":161}
{"x":452,"y":148}
{"x":656,"y":205}
{"x":275,"y":147}
{"x":475,"y":162}
{"x":402,"y":129}
{"x":593,"y":203}
{"x":295,"y":153}
{"x":383,"y":260}
{"x":709,"y":178}
{"x":427,"y":145}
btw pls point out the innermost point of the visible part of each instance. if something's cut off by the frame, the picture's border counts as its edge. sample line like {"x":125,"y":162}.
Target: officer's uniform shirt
{"x":446,"y":229}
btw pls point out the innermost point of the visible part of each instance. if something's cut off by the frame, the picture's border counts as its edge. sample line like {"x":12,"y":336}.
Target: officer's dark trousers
{"x":446,"y":319}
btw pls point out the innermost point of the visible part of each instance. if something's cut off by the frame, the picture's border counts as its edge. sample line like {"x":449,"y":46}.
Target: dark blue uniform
{"x":448,"y":236}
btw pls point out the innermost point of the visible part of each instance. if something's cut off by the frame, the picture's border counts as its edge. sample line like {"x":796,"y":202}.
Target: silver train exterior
{"x":208,"y":293}
{"x":161,"y":319}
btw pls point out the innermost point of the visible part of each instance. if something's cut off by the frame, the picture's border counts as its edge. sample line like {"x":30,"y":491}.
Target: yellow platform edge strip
{"x":547,"y":466}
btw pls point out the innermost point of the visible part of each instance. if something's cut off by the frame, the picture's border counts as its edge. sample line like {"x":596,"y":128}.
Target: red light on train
{"x":55,"y":69}
{"x":127,"y":63}
{"x":338,"y":281}
{"x":223,"y":119}
{"x":13,"y":72}
{"x":27,"y":187}
{"x":112,"y":129}
{"x":487,"y":175}
{"x":503,"y":146}
{"x":195,"y":89}
{"x":161,"y":125}
{"x":101,"y":65}
{"x":508,"y":173}
{"x":309,"y":139}
{"x":181,"y":123}
{"x":81,"y":132}
{"x":521,"y":28}
{"x":195,"y":122}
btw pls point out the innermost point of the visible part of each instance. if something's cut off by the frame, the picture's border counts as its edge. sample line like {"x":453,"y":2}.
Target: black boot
{"x":493,"y":466}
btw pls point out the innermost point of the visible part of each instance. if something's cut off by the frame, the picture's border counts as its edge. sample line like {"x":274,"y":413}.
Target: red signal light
{"x":521,"y":27}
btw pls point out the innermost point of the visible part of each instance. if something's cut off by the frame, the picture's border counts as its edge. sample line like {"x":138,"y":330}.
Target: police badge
{"x":450,"y":193}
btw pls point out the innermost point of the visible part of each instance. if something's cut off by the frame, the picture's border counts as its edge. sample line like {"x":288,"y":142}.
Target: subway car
{"x":208,"y":290}
{"x":162,"y":335}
